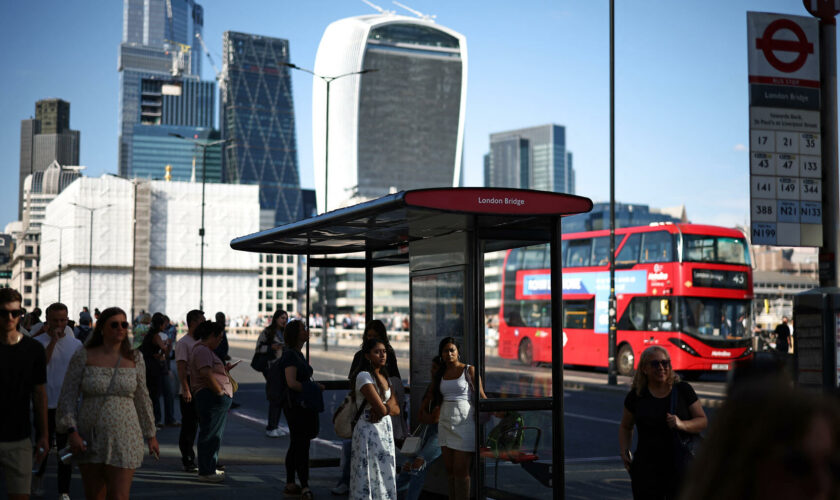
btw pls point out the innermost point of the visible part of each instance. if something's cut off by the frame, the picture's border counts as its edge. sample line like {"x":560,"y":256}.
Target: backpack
{"x":346,"y":416}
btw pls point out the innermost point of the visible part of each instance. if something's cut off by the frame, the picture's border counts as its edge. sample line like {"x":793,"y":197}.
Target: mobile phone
{"x":235,"y":363}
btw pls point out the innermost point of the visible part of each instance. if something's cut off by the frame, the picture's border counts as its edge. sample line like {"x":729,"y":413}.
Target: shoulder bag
{"x":685,"y":443}
{"x":414,"y":443}
{"x":346,"y":416}
{"x":261,"y":360}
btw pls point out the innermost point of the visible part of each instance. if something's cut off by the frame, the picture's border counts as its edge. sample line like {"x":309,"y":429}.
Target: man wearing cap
{"x":23,"y":375}
{"x":60,"y":345}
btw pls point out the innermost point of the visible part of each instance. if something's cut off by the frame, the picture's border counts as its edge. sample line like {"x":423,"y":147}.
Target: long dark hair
{"x":271,"y":329}
{"x":148,"y":345}
{"x":437,"y":397}
{"x":292,"y":333}
{"x":366,"y":366}
{"x":96,"y":337}
{"x":381,"y":333}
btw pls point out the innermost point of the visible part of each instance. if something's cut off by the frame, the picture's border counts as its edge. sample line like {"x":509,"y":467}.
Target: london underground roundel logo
{"x":769,"y":45}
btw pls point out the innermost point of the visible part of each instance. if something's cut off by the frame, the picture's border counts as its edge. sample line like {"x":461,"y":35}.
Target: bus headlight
{"x":682,"y":345}
{"x":540,"y":334}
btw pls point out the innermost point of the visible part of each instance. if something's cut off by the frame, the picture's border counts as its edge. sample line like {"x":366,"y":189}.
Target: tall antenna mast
{"x":425,"y":17}
{"x":378,"y":8}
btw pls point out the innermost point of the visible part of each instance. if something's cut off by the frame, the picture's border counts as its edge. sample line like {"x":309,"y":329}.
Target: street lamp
{"x":203,"y":146}
{"x":328,"y":80}
{"x":60,"y":239}
{"x":90,"y":248}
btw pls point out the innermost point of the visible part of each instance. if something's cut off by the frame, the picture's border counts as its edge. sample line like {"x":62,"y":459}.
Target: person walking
{"x":270,"y":346}
{"x":106,"y":430}
{"x":304,"y":402}
{"x":169,"y":382}
{"x":373,"y":460}
{"x":782,"y":332}
{"x":189,"y":418}
{"x":655,"y":470}
{"x":213,"y":393}
{"x":84,"y":328}
{"x":375,"y":329}
{"x":60,"y":348}
{"x":23,"y":378}
{"x":153,"y":348}
{"x":454,"y":387}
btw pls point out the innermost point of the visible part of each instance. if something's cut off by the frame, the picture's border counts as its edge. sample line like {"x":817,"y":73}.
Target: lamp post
{"x":203,"y":145}
{"x":327,"y":80}
{"x":612,"y":378}
{"x":60,"y":240}
{"x":90,"y":247}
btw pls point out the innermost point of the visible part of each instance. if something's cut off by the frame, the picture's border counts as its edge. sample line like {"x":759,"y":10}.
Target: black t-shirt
{"x":294,"y":358}
{"x":22,"y":367}
{"x":655,"y":437}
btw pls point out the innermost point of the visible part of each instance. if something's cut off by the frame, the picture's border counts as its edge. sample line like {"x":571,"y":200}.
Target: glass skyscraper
{"x":258,"y":122}
{"x":530,"y":158}
{"x":159,"y":78}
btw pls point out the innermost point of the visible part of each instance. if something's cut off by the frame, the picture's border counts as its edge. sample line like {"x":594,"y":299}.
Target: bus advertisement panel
{"x":685,"y":287}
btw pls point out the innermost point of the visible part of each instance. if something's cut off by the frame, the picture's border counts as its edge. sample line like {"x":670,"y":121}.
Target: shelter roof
{"x":391,"y":222}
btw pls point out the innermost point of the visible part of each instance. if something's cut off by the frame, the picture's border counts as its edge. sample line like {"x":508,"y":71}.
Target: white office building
{"x":146,"y":248}
{"x":400,"y":127}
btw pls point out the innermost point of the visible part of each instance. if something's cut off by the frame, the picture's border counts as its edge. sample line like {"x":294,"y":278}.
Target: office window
{"x":269,"y":283}
{"x":269,"y":258}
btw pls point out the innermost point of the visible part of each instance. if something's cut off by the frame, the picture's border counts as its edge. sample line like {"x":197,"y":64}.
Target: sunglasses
{"x":664,"y":363}
{"x":117,"y":324}
{"x":11,"y":313}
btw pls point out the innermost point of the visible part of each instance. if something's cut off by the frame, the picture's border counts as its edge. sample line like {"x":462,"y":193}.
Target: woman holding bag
{"x":270,"y":348}
{"x":304,"y":402}
{"x":654,"y":470}
{"x":106,"y":430}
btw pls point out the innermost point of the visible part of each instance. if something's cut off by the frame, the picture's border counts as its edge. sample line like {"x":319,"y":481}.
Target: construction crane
{"x":209,"y":57}
{"x":179,"y":61}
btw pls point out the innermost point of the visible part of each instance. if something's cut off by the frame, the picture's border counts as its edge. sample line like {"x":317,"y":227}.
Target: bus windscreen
{"x":715,"y":249}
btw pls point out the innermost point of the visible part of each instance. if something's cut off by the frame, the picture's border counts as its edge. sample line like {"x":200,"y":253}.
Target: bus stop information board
{"x":785,"y":154}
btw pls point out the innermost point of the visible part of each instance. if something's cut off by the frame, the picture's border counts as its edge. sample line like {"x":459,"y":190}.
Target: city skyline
{"x":681,"y":86}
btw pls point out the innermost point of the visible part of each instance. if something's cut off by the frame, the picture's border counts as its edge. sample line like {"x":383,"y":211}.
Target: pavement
{"x":255,"y":463}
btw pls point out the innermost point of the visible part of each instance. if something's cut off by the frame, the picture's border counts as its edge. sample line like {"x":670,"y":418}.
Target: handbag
{"x":414,"y":443}
{"x":346,"y":416}
{"x":685,"y":443}
{"x":233,"y":383}
{"x":261,"y":360}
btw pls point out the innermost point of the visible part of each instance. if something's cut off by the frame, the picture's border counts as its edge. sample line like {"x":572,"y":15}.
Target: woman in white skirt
{"x":454,"y":386}
{"x":373,"y":462}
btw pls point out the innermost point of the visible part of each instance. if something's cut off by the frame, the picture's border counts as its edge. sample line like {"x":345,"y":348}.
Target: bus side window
{"x":600,"y":251}
{"x":629,"y":254}
{"x":634,"y":316}
{"x":657,"y":247}
{"x":579,"y":252}
{"x":660,"y":317}
{"x":578,"y":313}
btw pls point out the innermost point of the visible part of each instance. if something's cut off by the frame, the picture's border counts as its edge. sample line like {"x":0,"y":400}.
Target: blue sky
{"x":681,"y":84}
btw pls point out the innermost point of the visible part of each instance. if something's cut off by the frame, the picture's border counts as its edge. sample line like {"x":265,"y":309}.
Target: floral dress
{"x":115,"y":423}
{"x":372,"y":464}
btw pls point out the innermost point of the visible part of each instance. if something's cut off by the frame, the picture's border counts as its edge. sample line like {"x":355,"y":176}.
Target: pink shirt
{"x":202,"y":357}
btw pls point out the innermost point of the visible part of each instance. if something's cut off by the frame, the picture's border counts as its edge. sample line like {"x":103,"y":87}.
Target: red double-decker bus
{"x":685,"y":287}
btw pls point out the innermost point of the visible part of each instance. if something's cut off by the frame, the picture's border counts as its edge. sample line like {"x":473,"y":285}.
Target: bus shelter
{"x":443,"y":234}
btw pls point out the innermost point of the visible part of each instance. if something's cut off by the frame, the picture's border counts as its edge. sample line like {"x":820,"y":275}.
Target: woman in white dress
{"x":453,"y":388}
{"x":373,"y":462}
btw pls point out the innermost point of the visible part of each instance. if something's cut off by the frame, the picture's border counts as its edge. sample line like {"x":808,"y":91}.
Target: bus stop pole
{"x":474,"y":295}
{"x":828,"y":253}
{"x":558,"y":453}
{"x":612,"y":378}
{"x":306,"y":319}
{"x":368,"y":289}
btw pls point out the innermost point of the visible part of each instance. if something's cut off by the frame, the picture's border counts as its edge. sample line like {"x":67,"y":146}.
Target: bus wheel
{"x":626,"y":360}
{"x":526,"y":352}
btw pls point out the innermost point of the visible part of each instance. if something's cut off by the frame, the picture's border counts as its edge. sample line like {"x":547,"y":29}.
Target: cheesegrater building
{"x":400,"y":127}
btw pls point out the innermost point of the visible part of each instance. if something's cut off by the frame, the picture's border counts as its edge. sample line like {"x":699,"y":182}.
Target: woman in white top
{"x":373,"y":463}
{"x":453,"y":386}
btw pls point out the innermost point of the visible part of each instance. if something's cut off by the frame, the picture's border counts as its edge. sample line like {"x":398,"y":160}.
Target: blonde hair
{"x":640,"y":380}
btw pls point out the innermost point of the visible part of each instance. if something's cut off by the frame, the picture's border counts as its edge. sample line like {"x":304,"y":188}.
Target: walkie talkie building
{"x":400,"y":127}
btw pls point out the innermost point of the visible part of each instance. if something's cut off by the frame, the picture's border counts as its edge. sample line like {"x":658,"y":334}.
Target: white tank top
{"x":455,"y":390}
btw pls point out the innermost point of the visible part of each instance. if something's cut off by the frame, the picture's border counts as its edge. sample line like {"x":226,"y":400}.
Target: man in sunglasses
{"x":60,"y":344}
{"x":23,"y":376}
